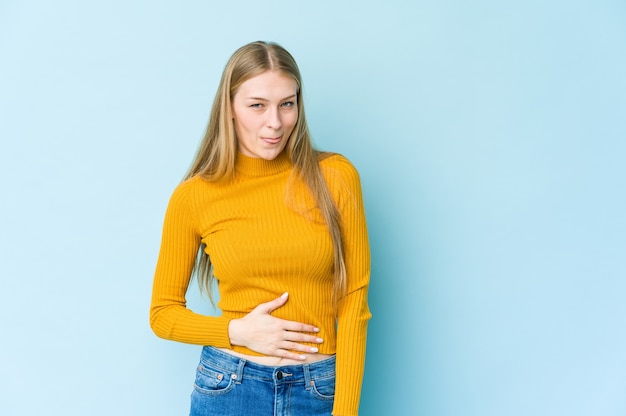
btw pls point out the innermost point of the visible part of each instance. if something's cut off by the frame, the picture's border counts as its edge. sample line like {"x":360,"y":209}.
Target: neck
{"x":251,"y":166}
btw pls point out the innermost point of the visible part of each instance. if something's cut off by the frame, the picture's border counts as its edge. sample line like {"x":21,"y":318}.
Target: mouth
{"x":271,"y":140}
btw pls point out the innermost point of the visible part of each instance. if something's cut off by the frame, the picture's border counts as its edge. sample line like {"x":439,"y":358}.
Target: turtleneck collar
{"x":252,"y":166}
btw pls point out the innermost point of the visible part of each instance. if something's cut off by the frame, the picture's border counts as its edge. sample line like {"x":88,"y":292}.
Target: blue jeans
{"x":227,"y":385}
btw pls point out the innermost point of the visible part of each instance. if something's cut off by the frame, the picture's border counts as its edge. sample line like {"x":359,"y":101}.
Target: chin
{"x":270,"y":155}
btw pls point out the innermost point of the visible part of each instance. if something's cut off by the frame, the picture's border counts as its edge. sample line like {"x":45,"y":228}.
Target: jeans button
{"x":279,"y":375}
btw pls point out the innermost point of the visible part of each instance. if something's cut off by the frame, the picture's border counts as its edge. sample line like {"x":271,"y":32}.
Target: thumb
{"x":269,"y":307}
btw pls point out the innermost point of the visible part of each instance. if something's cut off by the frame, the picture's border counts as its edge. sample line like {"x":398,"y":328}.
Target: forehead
{"x":269,"y":84}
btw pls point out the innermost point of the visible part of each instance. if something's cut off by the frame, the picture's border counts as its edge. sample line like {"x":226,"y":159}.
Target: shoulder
{"x":189,"y":191}
{"x":337,"y":165}
{"x":341,"y":177}
{"x":188,"y":187}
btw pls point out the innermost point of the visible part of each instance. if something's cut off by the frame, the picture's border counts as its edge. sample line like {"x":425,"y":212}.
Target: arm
{"x":353,"y":311}
{"x":169,"y":316}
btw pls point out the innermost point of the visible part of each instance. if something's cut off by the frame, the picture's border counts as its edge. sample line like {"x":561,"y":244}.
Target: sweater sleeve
{"x":169,"y":316}
{"x":353,"y":311}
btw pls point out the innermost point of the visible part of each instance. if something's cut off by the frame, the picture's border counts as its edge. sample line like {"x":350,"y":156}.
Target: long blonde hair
{"x":217,"y":152}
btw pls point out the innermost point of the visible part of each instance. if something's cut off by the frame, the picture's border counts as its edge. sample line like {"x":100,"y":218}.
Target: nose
{"x":273,"y":119}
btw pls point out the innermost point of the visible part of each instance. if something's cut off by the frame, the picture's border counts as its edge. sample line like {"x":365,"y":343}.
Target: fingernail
{"x":313,"y":349}
{"x":316,"y":330}
{"x":303,"y":357}
{"x":319,"y":340}
{"x":284,"y":295}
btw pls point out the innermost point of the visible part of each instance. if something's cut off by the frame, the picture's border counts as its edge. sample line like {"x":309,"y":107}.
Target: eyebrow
{"x":265,"y":99}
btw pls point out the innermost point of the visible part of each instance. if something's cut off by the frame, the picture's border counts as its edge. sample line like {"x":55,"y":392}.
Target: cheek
{"x":292,"y":119}
{"x":244,"y":123}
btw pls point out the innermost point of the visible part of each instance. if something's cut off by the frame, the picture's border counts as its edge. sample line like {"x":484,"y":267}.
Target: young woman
{"x":281,"y":227}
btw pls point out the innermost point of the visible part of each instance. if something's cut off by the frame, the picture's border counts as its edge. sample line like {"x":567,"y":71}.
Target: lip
{"x":271,"y":140}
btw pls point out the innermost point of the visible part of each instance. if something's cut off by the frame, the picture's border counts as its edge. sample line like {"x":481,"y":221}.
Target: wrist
{"x":234,"y":331}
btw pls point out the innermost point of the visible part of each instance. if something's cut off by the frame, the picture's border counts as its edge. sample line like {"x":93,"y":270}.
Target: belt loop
{"x":239,"y":375}
{"x":308,"y":383}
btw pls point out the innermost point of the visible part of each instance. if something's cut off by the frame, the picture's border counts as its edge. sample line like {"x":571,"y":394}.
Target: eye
{"x":256,"y":105}
{"x":288,"y":104}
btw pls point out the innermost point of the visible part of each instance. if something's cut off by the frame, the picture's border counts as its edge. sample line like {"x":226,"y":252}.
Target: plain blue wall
{"x":490,"y":137}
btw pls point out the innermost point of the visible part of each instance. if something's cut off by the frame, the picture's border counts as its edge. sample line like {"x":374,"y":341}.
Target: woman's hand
{"x":266,"y":334}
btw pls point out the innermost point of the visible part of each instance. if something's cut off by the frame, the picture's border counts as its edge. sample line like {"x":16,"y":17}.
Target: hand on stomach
{"x":280,"y":341}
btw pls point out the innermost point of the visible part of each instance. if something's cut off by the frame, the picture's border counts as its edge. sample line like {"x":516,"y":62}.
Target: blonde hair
{"x":215,"y":159}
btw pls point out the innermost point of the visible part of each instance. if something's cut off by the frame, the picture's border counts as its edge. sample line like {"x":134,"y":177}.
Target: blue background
{"x":490,"y":137}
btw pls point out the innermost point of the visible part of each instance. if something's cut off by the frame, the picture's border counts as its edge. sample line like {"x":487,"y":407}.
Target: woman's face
{"x":265,"y":110}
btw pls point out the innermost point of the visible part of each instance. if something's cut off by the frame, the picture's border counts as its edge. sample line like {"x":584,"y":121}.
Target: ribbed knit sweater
{"x":265,"y":237}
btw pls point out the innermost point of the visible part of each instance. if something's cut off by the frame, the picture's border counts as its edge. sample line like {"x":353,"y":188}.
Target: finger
{"x":290,"y":355}
{"x":272,"y":305}
{"x":300,"y":337}
{"x":294,"y":346}
{"x":298,"y":327}
{"x":295,"y":351}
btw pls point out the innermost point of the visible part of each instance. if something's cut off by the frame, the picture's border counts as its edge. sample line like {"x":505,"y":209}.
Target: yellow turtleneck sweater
{"x":264,"y":238}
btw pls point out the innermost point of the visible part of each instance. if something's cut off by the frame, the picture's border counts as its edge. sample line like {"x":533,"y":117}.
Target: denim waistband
{"x":240,"y":368}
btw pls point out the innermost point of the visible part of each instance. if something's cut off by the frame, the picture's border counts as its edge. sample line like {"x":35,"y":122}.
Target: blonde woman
{"x":281,"y":227}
